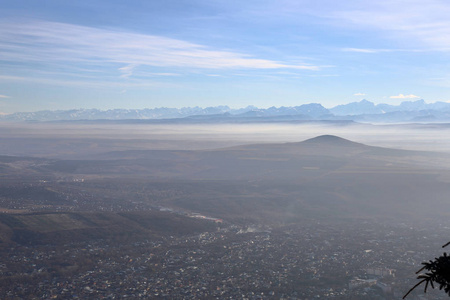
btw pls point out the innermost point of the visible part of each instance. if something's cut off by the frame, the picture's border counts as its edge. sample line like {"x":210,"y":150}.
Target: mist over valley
{"x":65,"y":186}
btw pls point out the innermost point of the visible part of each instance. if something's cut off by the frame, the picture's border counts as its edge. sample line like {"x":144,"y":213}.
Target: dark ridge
{"x":58,"y":228}
{"x":331,"y":140}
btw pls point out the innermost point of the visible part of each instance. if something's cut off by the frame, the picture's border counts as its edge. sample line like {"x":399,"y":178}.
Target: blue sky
{"x":136,"y":54}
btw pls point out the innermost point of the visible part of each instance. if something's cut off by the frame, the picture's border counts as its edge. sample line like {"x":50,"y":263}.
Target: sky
{"x":135,"y":54}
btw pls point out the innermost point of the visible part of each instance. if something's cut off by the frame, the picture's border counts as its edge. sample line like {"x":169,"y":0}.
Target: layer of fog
{"x":65,"y":140}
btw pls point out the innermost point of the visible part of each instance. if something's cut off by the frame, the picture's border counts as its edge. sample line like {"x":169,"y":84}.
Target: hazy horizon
{"x":422,"y":137}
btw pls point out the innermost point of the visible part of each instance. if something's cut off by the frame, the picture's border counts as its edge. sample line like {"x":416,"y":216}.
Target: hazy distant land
{"x":190,"y":194}
{"x":80,"y":141}
{"x":280,"y":170}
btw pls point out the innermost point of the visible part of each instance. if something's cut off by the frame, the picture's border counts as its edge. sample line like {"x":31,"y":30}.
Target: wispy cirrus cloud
{"x":401,"y":96}
{"x":4,"y":97}
{"x":418,"y":23}
{"x":99,"y":83}
{"x":49,"y":42}
{"x":370,"y":51}
{"x":127,"y":71}
{"x":361,"y":50}
{"x":359,"y":94}
{"x":166,"y":74}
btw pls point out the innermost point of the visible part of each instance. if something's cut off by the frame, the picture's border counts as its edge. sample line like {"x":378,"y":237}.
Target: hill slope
{"x":61,"y":228}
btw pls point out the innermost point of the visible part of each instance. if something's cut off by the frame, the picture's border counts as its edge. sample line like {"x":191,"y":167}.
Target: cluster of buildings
{"x":310,"y":261}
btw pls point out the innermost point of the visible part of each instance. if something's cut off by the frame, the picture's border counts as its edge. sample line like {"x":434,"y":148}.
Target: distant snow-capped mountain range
{"x":363,"y":111}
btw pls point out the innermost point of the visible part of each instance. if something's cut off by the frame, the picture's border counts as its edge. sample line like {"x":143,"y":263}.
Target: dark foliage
{"x":438,"y":271}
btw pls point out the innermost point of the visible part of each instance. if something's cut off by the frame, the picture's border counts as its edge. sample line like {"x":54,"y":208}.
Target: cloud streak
{"x":361,"y":50}
{"x":48,"y":42}
{"x":85,"y":83}
{"x":424,"y":22}
{"x":370,"y":51}
{"x":127,"y":71}
{"x":401,"y":96}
